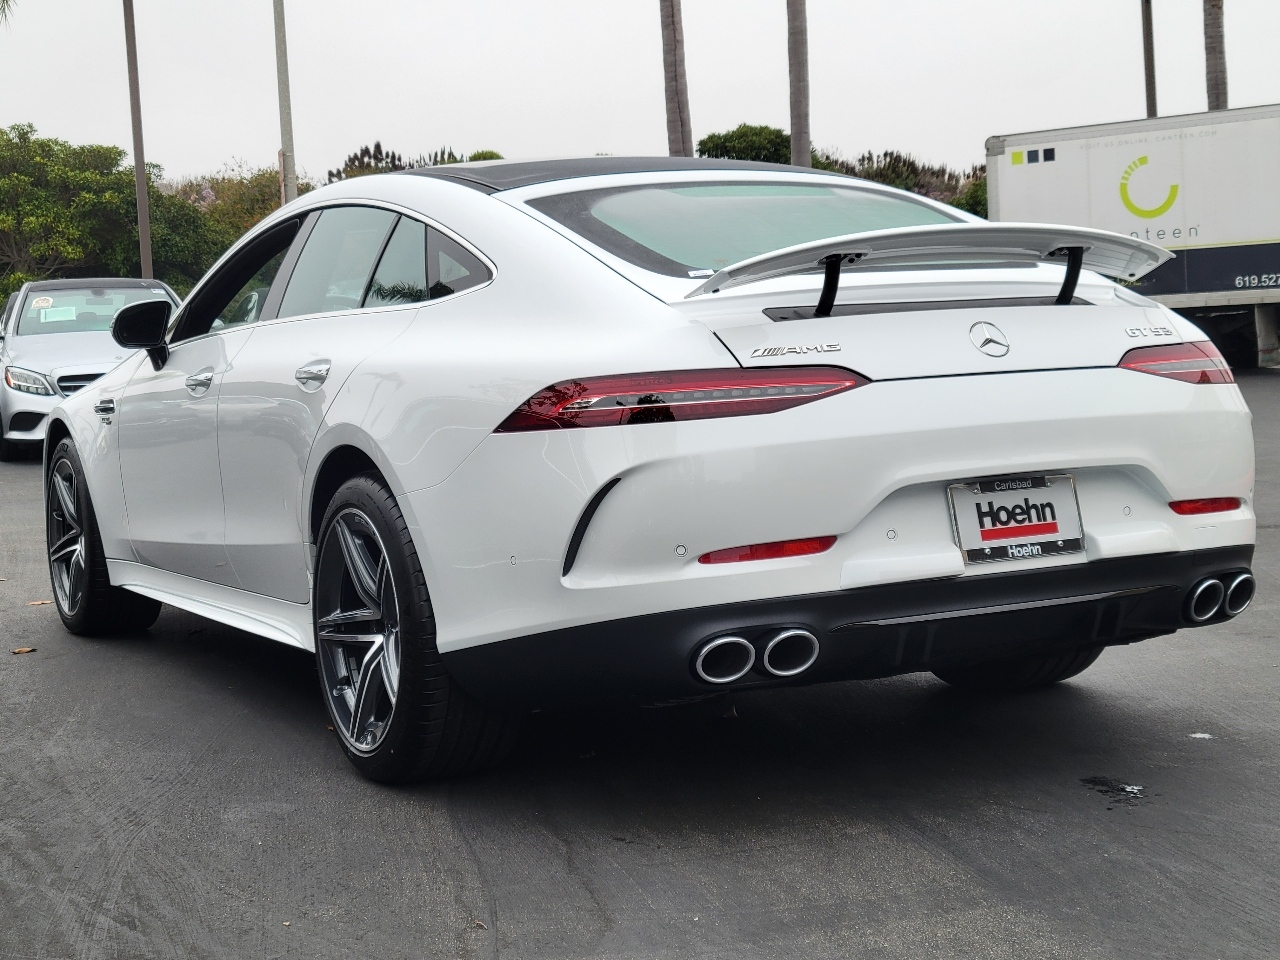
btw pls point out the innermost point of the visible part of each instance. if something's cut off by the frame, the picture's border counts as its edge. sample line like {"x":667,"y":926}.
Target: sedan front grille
{"x":71,"y":383}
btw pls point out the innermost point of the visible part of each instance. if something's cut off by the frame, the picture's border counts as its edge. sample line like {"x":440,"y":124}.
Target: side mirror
{"x":142,"y":326}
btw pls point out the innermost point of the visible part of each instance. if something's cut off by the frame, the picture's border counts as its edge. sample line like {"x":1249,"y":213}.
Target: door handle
{"x":199,"y":382}
{"x":311,"y":376}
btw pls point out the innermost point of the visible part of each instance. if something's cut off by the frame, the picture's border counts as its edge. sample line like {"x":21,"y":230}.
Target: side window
{"x":247,"y":303}
{"x":401,"y":276}
{"x":450,"y":267}
{"x":335,"y":264}
{"x":236,"y":293}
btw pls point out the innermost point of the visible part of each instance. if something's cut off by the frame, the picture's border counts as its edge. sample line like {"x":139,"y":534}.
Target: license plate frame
{"x":1036,"y":537}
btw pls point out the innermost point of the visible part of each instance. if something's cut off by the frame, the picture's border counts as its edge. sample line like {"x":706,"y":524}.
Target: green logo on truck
{"x":1137,"y":211}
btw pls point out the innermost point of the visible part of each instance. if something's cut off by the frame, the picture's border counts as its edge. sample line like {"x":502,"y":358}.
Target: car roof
{"x":80,"y":283}
{"x":491,"y":176}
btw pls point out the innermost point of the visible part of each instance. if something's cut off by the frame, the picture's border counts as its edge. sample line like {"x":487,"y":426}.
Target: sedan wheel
{"x":67,"y":541}
{"x":82,"y":590}
{"x":397,"y":713}
{"x":358,"y":631}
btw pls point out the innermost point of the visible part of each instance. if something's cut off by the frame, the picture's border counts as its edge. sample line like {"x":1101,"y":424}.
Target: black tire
{"x":430,"y":728}
{"x":87,"y":602}
{"x":1010,"y":676}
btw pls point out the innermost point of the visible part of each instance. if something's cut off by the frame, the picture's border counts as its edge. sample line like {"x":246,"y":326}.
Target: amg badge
{"x":784,"y":351}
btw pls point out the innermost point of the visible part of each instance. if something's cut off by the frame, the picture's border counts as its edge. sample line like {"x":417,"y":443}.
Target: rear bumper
{"x":865,"y":633}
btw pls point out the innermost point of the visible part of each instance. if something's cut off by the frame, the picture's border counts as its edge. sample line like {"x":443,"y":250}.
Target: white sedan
{"x":495,"y":437}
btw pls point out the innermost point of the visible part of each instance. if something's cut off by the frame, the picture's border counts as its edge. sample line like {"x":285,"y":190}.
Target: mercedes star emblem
{"x":988,"y":338}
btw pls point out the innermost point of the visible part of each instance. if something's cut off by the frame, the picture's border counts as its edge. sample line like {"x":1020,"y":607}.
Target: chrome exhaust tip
{"x":1205,"y":600}
{"x":1239,"y":594}
{"x":724,"y":660}
{"x":790,"y":653}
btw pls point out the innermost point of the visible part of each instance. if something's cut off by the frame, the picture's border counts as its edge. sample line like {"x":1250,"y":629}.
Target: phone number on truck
{"x":1259,"y":280}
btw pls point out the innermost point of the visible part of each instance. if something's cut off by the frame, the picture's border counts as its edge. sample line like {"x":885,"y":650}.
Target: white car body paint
{"x":420,"y":390}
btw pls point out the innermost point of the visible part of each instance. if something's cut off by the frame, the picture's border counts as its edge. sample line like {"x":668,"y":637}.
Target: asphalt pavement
{"x":177,"y":794}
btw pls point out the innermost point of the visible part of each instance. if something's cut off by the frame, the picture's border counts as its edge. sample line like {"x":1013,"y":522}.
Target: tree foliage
{"x":968,"y":191}
{"x":71,"y":211}
{"x":368,"y":160}
{"x":748,"y":142}
{"x":235,"y":198}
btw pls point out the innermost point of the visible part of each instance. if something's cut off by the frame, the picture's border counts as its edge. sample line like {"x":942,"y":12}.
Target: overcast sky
{"x":570,"y":77}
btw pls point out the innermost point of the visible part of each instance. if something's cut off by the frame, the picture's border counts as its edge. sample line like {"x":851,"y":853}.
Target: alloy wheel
{"x":357,"y":630}
{"x":66,"y":536}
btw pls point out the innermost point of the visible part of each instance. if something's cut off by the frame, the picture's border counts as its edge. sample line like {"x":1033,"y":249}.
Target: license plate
{"x":1016,"y":518}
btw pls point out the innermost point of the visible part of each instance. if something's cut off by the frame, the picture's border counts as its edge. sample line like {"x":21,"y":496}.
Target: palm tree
{"x":5,"y":7}
{"x":1215,"y":55}
{"x":679,"y":128}
{"x":798,"y":62}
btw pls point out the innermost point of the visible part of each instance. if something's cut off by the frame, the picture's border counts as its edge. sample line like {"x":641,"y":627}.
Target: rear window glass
{"x":686,"y":230}
{"x":79,"y":310}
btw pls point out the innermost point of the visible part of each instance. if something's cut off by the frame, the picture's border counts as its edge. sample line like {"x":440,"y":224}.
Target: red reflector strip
{"x":1189,"y":508}
{"x":770,"y":551}
{"x":1189,"y":362}
{"x":1025,"y":530}
{"x":676,"y":395}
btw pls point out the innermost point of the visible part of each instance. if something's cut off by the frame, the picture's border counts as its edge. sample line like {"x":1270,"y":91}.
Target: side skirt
{"x":268,"y":617}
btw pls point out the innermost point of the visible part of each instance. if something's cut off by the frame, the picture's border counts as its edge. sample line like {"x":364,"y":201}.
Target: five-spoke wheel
{"x":398,"y":714}
{"x":82,"y":590}
{"x":67,"y":541}
{"x":357,"y":630}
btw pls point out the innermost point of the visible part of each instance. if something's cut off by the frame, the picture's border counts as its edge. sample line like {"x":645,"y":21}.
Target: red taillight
{"x":1188,"y":508}
{"x":770,"y":551}
{"x":1191,"y":362}
{"x":676,"y":395}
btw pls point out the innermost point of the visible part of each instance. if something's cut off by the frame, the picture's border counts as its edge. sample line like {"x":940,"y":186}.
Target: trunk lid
{"x":933,"y":325}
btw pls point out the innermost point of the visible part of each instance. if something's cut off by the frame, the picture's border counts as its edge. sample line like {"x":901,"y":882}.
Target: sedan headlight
{"x":27,"y":381}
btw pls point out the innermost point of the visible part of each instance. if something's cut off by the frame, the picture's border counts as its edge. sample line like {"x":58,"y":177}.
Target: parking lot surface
{"x":177,"y":794}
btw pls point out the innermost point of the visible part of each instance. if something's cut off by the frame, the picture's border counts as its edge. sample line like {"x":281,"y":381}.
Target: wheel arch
{"x":54,"y":434}
{"x":345,"y":452}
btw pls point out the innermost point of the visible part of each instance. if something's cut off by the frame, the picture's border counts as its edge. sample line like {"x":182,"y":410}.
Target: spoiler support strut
{"x":832,"y":264}
{"x":1075,"y":260}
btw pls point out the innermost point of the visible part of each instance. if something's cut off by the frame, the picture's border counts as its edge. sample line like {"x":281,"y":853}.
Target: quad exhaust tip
{"x":1205,"y":600}
{"x":1239,"y":594}
{"x":789,"y":653}
{"x":724,"y":660}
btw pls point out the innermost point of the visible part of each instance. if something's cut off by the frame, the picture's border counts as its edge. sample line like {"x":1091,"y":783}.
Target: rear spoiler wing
{"x":1111,"y":254}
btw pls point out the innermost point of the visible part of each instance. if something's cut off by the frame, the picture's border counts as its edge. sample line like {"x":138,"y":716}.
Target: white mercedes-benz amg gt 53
{"x":496,"y":437}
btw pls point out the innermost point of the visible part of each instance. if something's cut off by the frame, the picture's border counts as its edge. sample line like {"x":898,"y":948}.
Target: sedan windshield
{"x":693,"y":229}
{"x":78,"y":309}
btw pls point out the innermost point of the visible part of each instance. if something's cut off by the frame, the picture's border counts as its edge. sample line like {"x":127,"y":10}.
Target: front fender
{"x":96,"y":441}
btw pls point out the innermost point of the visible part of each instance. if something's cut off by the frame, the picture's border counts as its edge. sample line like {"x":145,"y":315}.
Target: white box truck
{"x":1203,"y":185}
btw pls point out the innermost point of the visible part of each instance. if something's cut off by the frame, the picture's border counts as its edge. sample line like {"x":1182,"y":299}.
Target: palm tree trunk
{"x":1149,"y":57}
{"x":1215,"y":55}
{"x":679,"y":128}
{"x":139,"y":162}
{"x":798,"y":62}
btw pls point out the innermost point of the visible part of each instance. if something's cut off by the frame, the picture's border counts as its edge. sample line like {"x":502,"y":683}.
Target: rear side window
{"x":421,"y":263}
{"x":451,"y":268}
{"x":690,"y":229}
{"x":401,"y":276}
{"x":335,"y":265}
